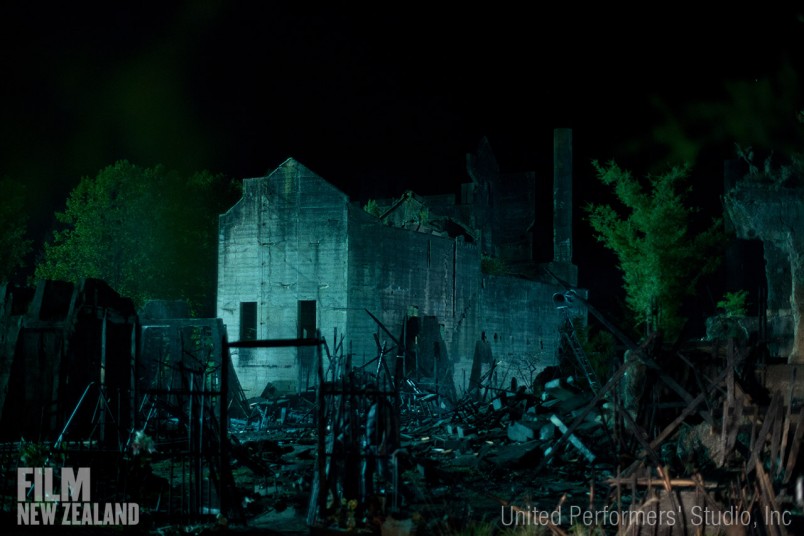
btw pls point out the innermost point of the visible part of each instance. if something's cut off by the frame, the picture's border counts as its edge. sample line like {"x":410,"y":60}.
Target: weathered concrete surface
{"x":284,"y":242}
{"x":775,"y":214}
{"x":294,"y":238}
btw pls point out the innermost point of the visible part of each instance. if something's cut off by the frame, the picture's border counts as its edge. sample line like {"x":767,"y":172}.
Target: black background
{"x":387,"y":97}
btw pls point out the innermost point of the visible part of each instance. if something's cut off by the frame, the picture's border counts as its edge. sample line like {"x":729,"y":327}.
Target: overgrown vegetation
{"x":600,"y":347}
{"x":372,"y":208}
{"x":660,"y":256}
{"x":424,"y":216}
{"x":14,"y":242}
{"x":734,"y":303}
{"x":148,"y":232}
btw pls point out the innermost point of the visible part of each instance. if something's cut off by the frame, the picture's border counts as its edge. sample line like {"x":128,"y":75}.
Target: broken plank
{"x":786,"y":429}
{"x":639,"y":434}
{"x":670,"y":428}
{"x":674,"y":385}
{"x":613,"y":380}
{"x":724,"y":432}
{"x":762,"y":436}
{"x":770,"y":507}
{"x":776,"y":438}
{"x":639,"y":351}
{"x":792,"y":458}
{"x":736,"y":420}
{"x":673,"y":482}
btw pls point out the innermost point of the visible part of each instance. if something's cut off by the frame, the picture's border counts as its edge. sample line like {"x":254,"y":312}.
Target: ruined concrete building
{"x":296,"y":255}
{"x":768,"y":207}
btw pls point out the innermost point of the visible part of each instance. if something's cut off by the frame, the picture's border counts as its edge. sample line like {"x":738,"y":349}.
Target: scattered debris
{"x":381,"y":449}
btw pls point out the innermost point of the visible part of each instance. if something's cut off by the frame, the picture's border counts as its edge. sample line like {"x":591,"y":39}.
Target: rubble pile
{"x":670,"y":440}
{"x":700,"y":446}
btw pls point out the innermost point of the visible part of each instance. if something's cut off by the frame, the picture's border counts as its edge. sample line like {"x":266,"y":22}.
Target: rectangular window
{"x":307,"y":320}
{"x":306,"y":354}
{"x":248,"y":321}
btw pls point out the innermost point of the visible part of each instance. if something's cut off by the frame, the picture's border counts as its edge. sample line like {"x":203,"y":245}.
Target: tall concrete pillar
{"x":562,"y":207}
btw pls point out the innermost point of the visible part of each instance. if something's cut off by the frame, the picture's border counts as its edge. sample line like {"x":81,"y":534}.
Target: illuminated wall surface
{"x":772,"y":212}
{"x":295,"y":256}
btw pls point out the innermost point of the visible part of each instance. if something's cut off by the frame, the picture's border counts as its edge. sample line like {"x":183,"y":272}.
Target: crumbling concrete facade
{"x":296,"y":256}
{"x":774,"y":213}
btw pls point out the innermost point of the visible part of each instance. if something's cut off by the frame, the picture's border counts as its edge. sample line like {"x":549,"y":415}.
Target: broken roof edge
{"x":289,"y":162}
{"x":437,"y":221}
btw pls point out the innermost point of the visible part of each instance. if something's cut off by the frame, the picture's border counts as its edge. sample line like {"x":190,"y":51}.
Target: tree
{"x":148,"y":232}
{"x":762,"y":111}
{"x":660,"y":256}
{"x":14,"y":244}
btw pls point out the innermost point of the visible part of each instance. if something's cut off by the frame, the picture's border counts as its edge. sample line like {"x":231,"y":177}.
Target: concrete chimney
{"x":562,"y":206}
{"x":562,"y":195}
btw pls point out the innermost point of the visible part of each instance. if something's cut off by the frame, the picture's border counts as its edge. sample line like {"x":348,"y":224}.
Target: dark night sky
{"x":382,"y":100}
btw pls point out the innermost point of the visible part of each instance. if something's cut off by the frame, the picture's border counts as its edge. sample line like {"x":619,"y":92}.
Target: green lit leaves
{"x":148,"y":232}
{"x":661,"y":259}
{"x":14,"y":242}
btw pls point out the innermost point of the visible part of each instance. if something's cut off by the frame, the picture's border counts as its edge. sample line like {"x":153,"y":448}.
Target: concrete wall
{"x":283,"y":242}
{"x":294,"y":237}
{"x":393,"y":270}
{"x":521,"y":324}
{"x":514,"y":210}
{"x":772,"y":213}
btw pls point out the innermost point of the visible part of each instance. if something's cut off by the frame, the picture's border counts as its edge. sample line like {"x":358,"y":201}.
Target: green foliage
{"x":14,"y":244}
{"x":660,"y":258}
{"x":600,"y":346}
{"x":492,"y":265}
{"x":148,"y":232}
{"x":424,"y":216}
{"x":760,"y":112}
{"x":372,"y":208}
{"x":734,"y":303}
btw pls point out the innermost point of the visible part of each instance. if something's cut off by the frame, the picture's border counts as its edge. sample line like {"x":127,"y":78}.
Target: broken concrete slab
{"x":518,"y":432}
{"x":572,"y":439}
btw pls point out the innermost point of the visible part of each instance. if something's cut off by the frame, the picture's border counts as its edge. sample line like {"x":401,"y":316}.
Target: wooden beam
{"x":786,"y":429}
{"x":382,"y":327}
{"x":670,"y":428}
{"x":776,"y":438}
{"x":673,"y":482}
{"x":770,"y":507}
{"x":736,"y":420}
{"x":613,"y":380}
{"x":639,"y":351}
{"x":276,"y":343}
{"x":792,"y":458}
{"x":762,"y":436}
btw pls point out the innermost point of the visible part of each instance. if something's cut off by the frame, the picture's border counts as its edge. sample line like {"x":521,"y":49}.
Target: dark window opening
{"x":307,"y":320}
{"x":306,"y":316}
{"x":248,"y":321}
